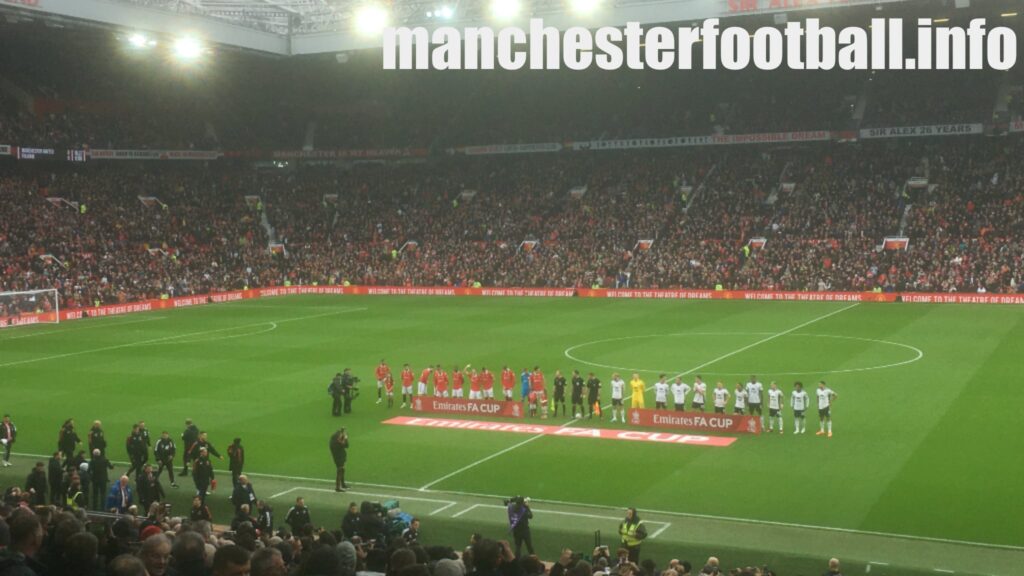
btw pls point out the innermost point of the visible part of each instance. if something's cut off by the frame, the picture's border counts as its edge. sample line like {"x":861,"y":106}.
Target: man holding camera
{"x":519,"y":515}
{"x":349,"y":390}
{"x":339,"y":452}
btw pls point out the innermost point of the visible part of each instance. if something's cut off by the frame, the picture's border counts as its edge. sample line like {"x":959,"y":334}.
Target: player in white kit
{"x":679,"y":391}
{"x":799,"y":401}
{"x":825,"y":398}
{"x":618,"y":388}
{"x":661,"y":393}
{"x":775,"y":400}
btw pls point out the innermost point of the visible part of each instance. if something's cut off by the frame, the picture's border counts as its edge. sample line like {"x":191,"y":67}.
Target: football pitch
{"x":922,"y":476}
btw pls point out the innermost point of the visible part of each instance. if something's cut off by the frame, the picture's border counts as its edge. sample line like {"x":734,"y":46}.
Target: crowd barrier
{"x":761,"y":295}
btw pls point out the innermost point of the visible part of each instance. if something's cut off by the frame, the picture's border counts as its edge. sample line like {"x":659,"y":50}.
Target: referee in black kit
{"x":339,"y":451}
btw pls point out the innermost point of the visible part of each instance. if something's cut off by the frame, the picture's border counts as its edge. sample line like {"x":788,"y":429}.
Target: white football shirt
{"x":799,"y":400}
{"x":679,"y":392}
{"x":754,"y":390}
{"x":824,"y":398}
{"x":660,"y":392}
{"x":618,"y":385}
{"x":721,"y":397}
{"x":699,"y":388}
{"x":774,"y":399}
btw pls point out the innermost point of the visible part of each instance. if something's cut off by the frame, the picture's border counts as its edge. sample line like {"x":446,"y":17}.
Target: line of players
{"x":747,"y":398}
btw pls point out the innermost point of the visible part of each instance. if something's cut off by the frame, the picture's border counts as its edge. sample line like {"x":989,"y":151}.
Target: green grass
{"x":926,"y":447}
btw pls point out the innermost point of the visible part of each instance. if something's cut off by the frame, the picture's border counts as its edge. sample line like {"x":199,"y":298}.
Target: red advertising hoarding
{"x":704,"y":422}
{"x":467,"y":407}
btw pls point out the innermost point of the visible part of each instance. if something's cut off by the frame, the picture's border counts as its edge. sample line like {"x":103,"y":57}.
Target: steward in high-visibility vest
{"x":632,"y":531}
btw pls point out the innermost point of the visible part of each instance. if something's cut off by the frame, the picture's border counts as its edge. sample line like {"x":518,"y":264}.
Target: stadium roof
{"x":294,"y":27}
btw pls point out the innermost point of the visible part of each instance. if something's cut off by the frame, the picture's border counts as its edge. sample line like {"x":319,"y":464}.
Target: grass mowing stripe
{"x":171,"y":338}
{"x":684,"y":373}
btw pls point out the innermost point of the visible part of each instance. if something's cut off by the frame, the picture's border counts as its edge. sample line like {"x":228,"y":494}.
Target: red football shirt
{"x":457,"y":380}
{"x":508,"y":379}
{"x":425,"y":376}
{"x":382,"y":371}
{"x":407,"y":377}
{"x":537,"y":381}
{"x":488,"y":380}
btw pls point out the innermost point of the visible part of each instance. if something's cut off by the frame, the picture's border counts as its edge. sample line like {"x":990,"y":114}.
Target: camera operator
{"x":335,"y":392}
{"x":339,"y":452}
{"x":349,"y":390}
{"x":371,"y":522}
{"x":519,"y":515}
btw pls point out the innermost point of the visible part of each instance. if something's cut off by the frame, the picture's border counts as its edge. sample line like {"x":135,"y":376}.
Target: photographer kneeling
{"x":519,"y":515}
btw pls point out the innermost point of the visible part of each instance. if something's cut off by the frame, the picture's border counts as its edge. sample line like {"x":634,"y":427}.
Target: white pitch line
{"x":663,"y":525}
{"x":694,"y":369}
{"x":90,"y":327}
{"x":473,"y":507}
{"x":166,"y":338}
{"x":442,"y":508}
{"x":768,"y":339}
{"x":372,"y":495}
{"x":943,"y":570}
{"x":279,"y":494}
{"x":660,"y":530}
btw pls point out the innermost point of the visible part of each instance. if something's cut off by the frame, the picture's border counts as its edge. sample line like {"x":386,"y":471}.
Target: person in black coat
{"x":339,"y":452}
{"x":298,"y":516}
{"x":97,"y":439}
{"x":136,"y":448}
{"x":99,"y":467}
{"x":55,"y":477}
{"x":264,"y":517}
{"x":243,"y":493}
{"x":350,"y":522}
{"x":202,"y":474}
{"x":164,"y":452}
{"x":236,"y":460}
{"x":148,"y":487}
{"x":68,"y":439}
{"x":36,"y":485}
{"x":188,"y":440}
{"x":8,"y":434}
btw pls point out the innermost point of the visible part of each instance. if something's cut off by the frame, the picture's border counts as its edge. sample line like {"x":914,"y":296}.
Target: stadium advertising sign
{"x":565,"y":431}
{"x":694,"y":421}
{"x":5,"y":150}
{"x":154,"y":154}
{"x":510,"y":149}
{"x":1017,"y":126}
{"x":929,"y":130}
{"x":736,"y":7}
{"x":462,"y":406}
{"x":342,"y":154}
{"x":713,"y":140}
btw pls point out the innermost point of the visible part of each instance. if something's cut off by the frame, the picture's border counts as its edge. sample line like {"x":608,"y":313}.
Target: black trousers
{"x":336,"y":406}
{"x":523,"y":537}
{"x":169,"y":464}
{"x":98,"y":495}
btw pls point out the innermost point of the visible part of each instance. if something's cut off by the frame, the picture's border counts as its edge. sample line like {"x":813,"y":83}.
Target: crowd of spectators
{"x":115,"y":233}
{"x":42,"y":540}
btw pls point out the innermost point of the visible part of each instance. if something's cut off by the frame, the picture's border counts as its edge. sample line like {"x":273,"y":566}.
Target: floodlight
{"x":505,"y":9}
{"x":187,"y":48}
{"x":584,"y":7}
{"x":371,"y":19}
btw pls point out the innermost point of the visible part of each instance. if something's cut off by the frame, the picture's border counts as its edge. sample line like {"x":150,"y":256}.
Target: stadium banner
{"x":101,"y":154}
{"x":342,"y":154}
{"x":567,"y":431}
{"x":495,"y":149}
{"x":928,"y":130}
{"x":736,"y":295}
{"x":462,"y":406}
{"x":959,"y":298}
{"x":5,"y":150}
{"x":713,"y":140}
{"x":1015,"y":126}
{"x":650,"y":418}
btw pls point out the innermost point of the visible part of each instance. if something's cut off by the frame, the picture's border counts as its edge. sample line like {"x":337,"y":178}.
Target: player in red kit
{"x":537,"y":380}
{"x":389,"y":389}
{"x":457,"y":379}
{"x":487,"y":383}
{"x":382,"y":372}
{"x":508,"y":382}
{"x":421,"y":386}
{"x":474,"y":385}
{"x":440,"y":382}
{"x":407,"y":378}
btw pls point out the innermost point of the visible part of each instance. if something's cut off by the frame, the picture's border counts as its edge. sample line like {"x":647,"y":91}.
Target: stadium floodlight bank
{"x":38,"y":304}
{"x":803,"y":45}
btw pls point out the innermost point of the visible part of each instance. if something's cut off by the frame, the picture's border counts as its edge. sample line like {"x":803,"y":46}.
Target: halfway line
{"x":694,"y":369}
